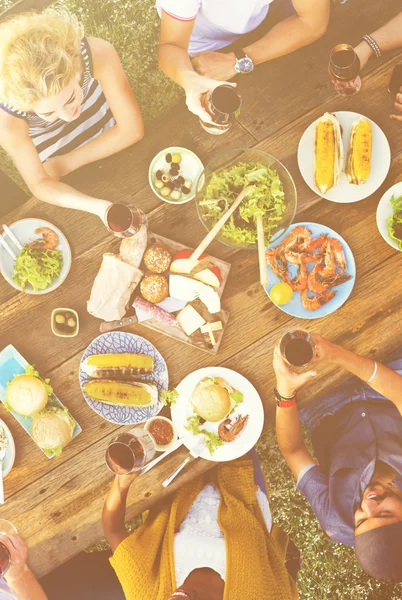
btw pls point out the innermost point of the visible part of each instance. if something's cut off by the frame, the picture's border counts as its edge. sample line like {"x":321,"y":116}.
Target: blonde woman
{"x":65,"y":101}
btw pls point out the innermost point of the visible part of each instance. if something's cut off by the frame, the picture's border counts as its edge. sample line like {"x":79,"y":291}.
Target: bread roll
{"x":26,"y":395}
{"x":211,"y":399}
{"x":52,"y":429}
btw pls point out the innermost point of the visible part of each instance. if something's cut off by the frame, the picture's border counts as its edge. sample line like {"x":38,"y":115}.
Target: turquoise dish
{"x":11,"y":364}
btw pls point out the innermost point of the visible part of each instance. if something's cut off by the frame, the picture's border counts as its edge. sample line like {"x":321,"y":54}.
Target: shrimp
{"x":317,"y":243}
{"x":299,"y":283}
{"x":298,"y":238}
{"x":49,"y":240}
{"x":277,"y":264}
{"x":337,"y":249}
{"x":298,"y":258}
{"x":316,"y":301}
{"x":229,"y":431}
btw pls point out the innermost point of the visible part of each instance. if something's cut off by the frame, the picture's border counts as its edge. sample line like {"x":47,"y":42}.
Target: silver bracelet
{"x":374,"y":372}
{"x":373,"y":45}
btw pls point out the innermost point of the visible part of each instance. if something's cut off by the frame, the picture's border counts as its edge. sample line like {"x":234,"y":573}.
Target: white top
{"x":200,"y":542}
{"x":5,"y":592}
{"x":218,"y":23}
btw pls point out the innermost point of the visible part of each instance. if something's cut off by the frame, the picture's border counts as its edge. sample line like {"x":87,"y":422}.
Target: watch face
{"x":245,"y":65}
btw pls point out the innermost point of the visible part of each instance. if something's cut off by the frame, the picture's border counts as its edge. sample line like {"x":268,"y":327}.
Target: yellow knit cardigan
{"x":144,"y":561}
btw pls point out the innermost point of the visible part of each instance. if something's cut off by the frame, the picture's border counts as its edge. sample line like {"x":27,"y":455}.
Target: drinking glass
{"x":124,"y":220}
{"x":223,"y":104}
{"x":7,"y":528}
{"x":128,"y":452}
{"x":297,"y":348}
{"x":344,"y":68}
{"x":5,"y":559}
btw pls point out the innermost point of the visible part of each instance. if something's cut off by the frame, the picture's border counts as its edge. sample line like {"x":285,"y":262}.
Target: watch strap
{"x":239,"y":54}
{"x":285,"y":401}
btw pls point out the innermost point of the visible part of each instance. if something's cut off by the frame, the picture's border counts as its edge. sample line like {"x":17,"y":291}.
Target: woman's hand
{"x":196,"y":87}
{"x":364,"y":52}
{"x":57,"y":167}
{"x":18,"y":552}
{"x":124,"y":481}
{"x":215,"y":65}
{"x":287,"y":381}
{"x":398,"y":106}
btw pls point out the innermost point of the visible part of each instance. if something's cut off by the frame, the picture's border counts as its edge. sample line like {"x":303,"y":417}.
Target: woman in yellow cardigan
{"x":213,"y":541}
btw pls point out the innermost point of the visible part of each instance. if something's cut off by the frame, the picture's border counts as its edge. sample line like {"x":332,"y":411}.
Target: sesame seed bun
{"x":211,"y":399}
{"x":52,"y":429}
{"x":26,"y":395}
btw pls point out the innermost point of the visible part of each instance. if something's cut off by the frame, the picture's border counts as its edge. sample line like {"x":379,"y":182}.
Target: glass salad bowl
{"x":274,"y":196}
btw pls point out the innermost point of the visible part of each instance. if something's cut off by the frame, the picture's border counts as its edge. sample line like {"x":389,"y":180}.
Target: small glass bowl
{"x":54,"y":325}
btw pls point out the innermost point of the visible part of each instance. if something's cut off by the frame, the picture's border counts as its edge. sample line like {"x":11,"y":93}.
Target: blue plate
{"x":11,"y":364}
{"x":119,"y":342}
{"x":294,"y":308}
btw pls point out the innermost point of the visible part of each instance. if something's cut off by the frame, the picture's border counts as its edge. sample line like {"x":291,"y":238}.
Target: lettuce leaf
{"x":37,"y":268}
{"x":395,"y":221}
{"x":212,"y":440}
{"x":169,"y":397}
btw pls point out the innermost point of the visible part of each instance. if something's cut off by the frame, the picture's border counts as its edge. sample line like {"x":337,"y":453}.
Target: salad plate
{"x":273,"y":197}
{"x":9,"y":458}
{"x":24,"y":231}
{"x":294,"y":307}
{"x":13,"y":363}
{"x":385,"y":212}
{"x":251,"y":405}
{"x":120,"y":342}
{"x":346,"y":192}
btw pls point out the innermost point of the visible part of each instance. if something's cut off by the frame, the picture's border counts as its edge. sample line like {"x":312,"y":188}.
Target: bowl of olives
{"x":65,"y":322}
{"x":173,"y":174}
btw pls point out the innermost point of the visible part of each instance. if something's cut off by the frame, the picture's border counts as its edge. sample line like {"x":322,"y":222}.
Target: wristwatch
{"x":244,"y":64}
{"x":284,"y":401}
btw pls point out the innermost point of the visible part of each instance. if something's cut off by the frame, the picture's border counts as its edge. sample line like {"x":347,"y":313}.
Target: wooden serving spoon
{"x":261,"y":252}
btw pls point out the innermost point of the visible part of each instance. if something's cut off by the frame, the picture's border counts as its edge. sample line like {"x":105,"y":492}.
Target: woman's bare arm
{"x":114,"y":510}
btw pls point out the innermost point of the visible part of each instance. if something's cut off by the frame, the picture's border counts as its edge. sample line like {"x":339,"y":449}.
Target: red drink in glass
{"x":344,"y":68}
{"x":130,"y":451}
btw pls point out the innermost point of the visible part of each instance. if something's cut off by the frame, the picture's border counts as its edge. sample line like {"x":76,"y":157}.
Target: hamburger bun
{"x":52,"y":429}
{"x":211,"y":399}
{"x":26,"y":395}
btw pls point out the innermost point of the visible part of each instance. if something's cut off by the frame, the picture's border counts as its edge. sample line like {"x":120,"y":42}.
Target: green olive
{"x":176,"y":158}
{"x":60,"y":319}
{"x":71,"y":322}
{"x":165,"y":191}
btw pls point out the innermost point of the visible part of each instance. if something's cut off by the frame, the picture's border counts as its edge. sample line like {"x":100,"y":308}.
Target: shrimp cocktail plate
{"x":43,"y":262}
{"x":313,"y":267}
{"x":221,"y":409}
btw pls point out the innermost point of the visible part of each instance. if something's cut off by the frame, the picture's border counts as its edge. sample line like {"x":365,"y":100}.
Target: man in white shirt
{"x":201,"y":41}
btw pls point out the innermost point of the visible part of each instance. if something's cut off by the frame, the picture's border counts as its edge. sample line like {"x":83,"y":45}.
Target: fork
{"x":194,"y":453}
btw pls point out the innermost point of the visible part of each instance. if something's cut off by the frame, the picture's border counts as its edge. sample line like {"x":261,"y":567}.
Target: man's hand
{"x":325,"y":351}
{"x":196,"y":87}
{"x":398,"y":106}
{"x":18,"y":552}
{"x":215,"y":65}
{"x":287,"y":381}
{"x":57,"y":167}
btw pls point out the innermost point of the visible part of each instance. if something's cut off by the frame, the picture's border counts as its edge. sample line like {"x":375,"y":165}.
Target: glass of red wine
{"x":124,"y":220}
{"x":128,"y":452}
{"x":344,"y":68}
{"x":223,"y":104}
{"x":297,"y":348}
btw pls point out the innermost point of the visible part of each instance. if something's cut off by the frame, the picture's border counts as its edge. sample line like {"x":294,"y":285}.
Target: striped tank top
{"x":60,"y":137}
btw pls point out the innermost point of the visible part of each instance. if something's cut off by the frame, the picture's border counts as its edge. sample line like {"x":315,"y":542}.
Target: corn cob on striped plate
{"x":321,"y":162}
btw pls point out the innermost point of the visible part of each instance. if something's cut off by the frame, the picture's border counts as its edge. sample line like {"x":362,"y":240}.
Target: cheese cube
{"x":215,"y":326}
{"x":190,"y":320}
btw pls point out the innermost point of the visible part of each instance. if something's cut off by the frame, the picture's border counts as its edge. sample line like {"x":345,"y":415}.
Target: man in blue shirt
{"x":355,"y":489}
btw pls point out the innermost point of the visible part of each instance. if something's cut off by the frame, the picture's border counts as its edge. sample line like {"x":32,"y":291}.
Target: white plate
{"x":190,"y":168}
{"x":8,"y":460}
{"x":384,"y":210}
{"x":346,"y":192}
{"x":24,"y":231}
{"x":251,"y":405}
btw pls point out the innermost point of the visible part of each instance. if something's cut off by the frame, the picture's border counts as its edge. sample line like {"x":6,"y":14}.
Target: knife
{"x":195,"y":452}
{"x":111,"y":325}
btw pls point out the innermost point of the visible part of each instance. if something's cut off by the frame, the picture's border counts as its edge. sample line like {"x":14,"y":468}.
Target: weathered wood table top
{"x":56,"y":504}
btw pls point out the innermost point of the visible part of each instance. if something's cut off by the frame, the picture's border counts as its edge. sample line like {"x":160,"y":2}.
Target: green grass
{"x":329,"y":570}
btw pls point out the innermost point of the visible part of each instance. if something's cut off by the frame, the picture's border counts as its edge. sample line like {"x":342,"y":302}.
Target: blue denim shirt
{"x":362,"y":433}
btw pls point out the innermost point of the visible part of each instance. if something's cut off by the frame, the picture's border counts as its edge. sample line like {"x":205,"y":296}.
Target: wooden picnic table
{"x":56,"y":504}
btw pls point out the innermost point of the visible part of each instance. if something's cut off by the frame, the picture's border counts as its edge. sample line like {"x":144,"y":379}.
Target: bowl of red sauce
{"x":162,"y":431}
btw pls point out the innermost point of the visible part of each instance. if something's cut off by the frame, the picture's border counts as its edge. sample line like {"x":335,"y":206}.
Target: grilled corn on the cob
{"x":358,"y":163}
{"x":117,"y":366}
{"x":122,"y":393}
{"x":328,"y":153}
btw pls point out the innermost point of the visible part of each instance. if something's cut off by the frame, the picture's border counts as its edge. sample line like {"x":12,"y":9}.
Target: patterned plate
{"x":119,"y":342}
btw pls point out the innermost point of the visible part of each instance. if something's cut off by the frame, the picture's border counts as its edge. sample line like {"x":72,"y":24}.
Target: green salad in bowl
{"x":273,"y":196}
